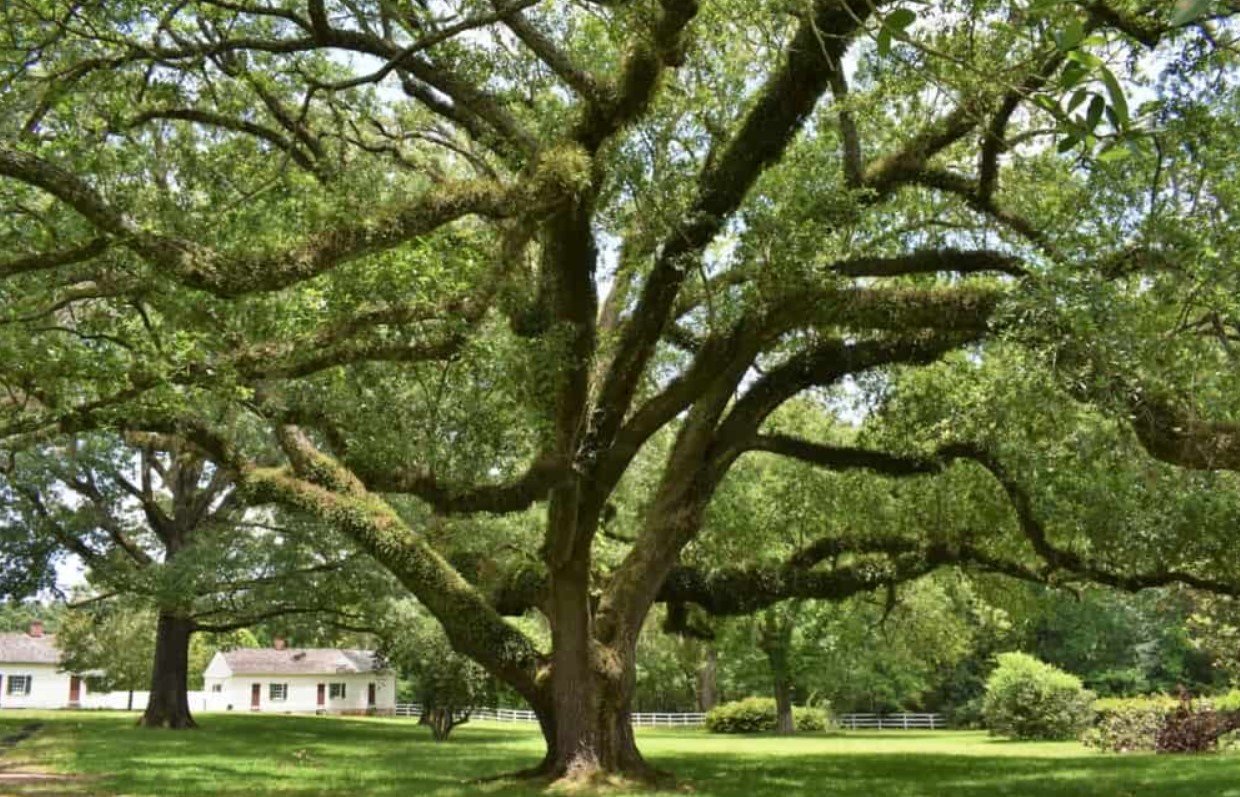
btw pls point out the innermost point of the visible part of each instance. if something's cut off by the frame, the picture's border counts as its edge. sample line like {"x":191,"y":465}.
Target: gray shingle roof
{"x":22,"y":648}
{"x":299,"y":661}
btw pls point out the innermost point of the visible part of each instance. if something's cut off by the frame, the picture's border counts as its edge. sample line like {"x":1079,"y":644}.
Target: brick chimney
{"x":278,"y":642}
{"x":36,"y":628}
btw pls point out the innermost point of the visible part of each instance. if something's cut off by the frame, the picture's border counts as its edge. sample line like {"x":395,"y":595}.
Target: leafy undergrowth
{"x":253,"y":756}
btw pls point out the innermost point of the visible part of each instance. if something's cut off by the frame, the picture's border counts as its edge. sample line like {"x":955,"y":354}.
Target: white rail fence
{"x":121,"y":701}
{"x":881,"y":722}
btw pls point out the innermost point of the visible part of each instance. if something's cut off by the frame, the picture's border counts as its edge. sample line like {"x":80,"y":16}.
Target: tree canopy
{"x":509,"y":293}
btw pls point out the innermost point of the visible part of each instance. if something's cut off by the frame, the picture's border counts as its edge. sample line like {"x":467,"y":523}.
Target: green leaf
{"x":1079,"y":97}
{"x":884,"y":41}
{"x":1187,"y":11}
{"x":1119,"y":103}
{"x":1085,"y":59}
{"x":1094,"y":115}
{"x":893,"y":27}
{"x":1046,"y":103}
{"x":899,"y":19}
{"x":1070,"y":36}
{"x":1073,"y":73}
{"x":1113,"y":154}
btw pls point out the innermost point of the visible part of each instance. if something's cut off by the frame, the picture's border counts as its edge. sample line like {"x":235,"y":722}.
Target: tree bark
{"x":168,"y":706}
{"x":595,"y":739}
{"x":784,"y":724}
{"x":775,"y":639}
{"x":592,"y":687}
{"x":708,"y":680}
{"x":441,"y":720}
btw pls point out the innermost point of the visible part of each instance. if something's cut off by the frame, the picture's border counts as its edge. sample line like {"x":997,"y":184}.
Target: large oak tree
{"x":465,"y":259}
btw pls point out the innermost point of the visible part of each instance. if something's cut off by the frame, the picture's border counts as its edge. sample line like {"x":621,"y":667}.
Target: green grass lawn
{"x":296,"y":756}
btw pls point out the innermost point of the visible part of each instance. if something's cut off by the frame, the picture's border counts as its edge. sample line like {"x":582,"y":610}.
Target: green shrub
{"x":967,"y":715}
{"x":1029,"y":699}
{"x":1162,"y":723}
{"x":1227,"y":702}
{"x":809,"y":719}
{"x":1128,"y":724}
{"x":757,"y":715}
{"x":1230,"y":704}
{"x":751,"y":715}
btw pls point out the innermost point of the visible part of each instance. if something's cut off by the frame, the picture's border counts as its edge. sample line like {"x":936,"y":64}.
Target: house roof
{"x":21,"y":648}
{"x":299,"y":661}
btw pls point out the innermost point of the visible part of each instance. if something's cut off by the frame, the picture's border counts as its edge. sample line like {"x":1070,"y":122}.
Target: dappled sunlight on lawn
{"x":238,"y":754}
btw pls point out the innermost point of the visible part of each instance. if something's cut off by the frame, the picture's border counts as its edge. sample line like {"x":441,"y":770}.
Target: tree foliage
{"x":402,"y":267}
{"x":444,"y":683}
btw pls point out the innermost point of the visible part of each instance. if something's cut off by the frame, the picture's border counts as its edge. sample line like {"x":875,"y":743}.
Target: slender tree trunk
{"x":708,"y":680}
{"x":775,"y":639}
{"x":168,"y":706}
{"x":784,"y":724}
{"x":129,"y":706}
{"x":441,"y":721}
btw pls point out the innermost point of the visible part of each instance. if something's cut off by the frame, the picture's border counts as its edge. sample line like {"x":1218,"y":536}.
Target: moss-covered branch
{"x":43,"y":261}
{"x":1179,"y":436}
{"x":932,"y":261}
{"x":237,"y":274}
{"x":320,"y":486}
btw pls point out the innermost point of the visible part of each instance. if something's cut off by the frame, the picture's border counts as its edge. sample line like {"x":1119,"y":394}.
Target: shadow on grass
{"x":916,"y":775}
{"x":303,"y":756}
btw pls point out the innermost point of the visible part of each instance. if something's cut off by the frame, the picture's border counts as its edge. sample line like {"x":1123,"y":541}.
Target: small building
{"x":299,"y":680}
{"x":30,"y":673}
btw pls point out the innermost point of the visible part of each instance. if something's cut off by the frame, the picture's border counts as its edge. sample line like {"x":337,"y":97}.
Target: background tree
{"x":115,"y":648}
{"x":445,"y":684}
{"x":673,"y":670}
{"x":1214,"y":629}
{"x":507,"y":258}
{"x":159,"y":528}
{"x":18,"y":615}
{"x":113,"y":642}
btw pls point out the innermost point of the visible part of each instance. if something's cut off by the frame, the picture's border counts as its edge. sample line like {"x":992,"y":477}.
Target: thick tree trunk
{"x":596,"y":740}
{"x":591,"y":688}
{"x":168,"y":706}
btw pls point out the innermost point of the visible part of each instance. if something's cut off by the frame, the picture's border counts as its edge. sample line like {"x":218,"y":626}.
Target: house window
{"x":217,"y":687}
{"x":337,"y":691}
{"x":20,"y":684}
{"x":277,"y":691}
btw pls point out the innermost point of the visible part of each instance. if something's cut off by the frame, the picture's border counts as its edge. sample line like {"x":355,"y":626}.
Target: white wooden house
{"x":299,"y":680}
{"x":30,"y":673}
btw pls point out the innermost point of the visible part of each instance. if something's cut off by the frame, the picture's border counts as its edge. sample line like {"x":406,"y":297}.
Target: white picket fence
{"x":661,"y":719}
{"x":492,"y":714}
{"x":882,"y":722}
{"x":119,"y":701}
